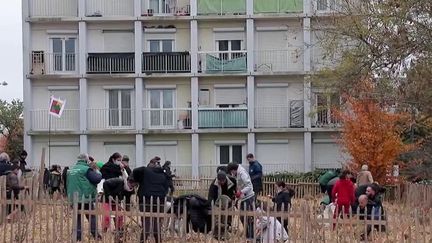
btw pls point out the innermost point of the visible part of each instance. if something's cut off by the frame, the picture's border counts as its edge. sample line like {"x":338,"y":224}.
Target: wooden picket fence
{"x":46,"y":218}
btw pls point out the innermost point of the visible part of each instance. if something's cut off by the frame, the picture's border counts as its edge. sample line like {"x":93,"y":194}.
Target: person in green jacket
{"x":81,"y":188}
{"x":326,"y":177}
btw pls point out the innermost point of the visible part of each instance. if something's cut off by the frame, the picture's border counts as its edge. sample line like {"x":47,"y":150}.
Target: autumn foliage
{"x":372,"y":136}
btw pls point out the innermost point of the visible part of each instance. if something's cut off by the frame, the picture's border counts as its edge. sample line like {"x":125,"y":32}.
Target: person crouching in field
{"x":269,"y":229}
{"x":116,"y":190}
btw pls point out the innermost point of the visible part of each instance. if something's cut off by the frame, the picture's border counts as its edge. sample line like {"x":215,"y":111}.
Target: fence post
{"x":74,"y":217}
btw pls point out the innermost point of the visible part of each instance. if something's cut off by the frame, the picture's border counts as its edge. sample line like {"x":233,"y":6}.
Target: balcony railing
{"x":278,"y":6}
{"x":289,"y":60}
{"x":326,"y":118}
{"x":280,"y":117}
{"x":166,"y":62}
{"x":108,"y":8}
{"x":53,"y":8}
{"x":222,"y":117}
{"x":221,"y":7}
{"x":326,"y":6}
{"x":107,"y":119}
{"x":165,"y":8}
{"x":223,"y":61}
{"x":167,"y":118}
{"x":53,"y":63}
{"x":69,"y":121}
{"x":111,"y":63}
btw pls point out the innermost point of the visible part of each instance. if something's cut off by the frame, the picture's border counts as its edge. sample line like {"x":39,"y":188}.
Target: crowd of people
{"x":113,"y":183}
{"x":352,"y":195}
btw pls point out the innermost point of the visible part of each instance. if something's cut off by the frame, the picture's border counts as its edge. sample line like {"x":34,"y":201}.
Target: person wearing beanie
{"x":222,"y":185}
{"x":364,"y":176}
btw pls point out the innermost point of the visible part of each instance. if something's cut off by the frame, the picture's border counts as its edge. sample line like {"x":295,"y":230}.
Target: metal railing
{"x":40,"y":120}
{"x":111,"y":63}
{"x":280,"y":116}
{"x":223,"y":61}
{"x":166,"y":62}
{"x":53,"y":63}
{"x":53,"y":8}
{"x":221,"y":7}
{"x":222,"y":117}
{"x":278,"y":6}
{"x":104,"y":8}
{"x":165,"y":8}
{"x":106,"y":119}
{"x":167,"y":118}
{"x":279,"y":60}
{"x":325,"y":118}
{"x":326,"y":6}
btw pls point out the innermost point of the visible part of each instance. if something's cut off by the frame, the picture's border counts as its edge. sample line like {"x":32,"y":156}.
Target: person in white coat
{"x":269,"y":229}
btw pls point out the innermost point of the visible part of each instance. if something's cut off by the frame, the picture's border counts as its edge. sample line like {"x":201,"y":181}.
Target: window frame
{"x":230,"y":145}
{"x":161,"y":109}
{"x":120,"y":109}
{"x":51,"y":59}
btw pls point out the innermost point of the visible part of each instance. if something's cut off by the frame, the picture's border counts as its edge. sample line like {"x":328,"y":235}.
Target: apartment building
{"x":196,"y":82}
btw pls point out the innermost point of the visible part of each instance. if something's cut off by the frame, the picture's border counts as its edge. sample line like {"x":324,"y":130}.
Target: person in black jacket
{"x":115,"y":191}
{"x":112,"y":169}
{"x":255,"y":173}
{"x":64,"y":179}
{"x":222,"y":185}
{"x":153,"y":187}
{"x":282,"y":200}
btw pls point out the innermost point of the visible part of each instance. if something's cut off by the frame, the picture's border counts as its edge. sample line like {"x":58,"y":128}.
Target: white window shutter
{"x":234,"y":96}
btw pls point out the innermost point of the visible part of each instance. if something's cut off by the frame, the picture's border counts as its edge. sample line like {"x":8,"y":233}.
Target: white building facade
{"x":196,"y":82}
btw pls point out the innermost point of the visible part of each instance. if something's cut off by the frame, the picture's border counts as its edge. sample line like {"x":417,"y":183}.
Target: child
{"x":269,"y":229}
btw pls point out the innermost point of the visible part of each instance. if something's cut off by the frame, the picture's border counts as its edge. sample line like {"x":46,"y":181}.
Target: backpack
{"x":55,"y":180}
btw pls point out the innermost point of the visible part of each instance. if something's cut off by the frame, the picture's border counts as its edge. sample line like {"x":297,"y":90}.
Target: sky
{"x":11,"y":50}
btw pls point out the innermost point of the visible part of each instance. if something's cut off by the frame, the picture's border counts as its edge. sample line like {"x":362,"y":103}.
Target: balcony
{"x":110,"y":119}
{"x":53,"y":63}
{"x":111,"y":63}
{"x":40,"y":120}
{"x":326,"y":6}
{"x":53,"y":8}
{"x":326,"y":118}
{"x":223,"y":61}
{"x":270,"y":61}
{"x":221,"y":7}
{"x":278,"y":6}
{"x":166,"y":62}
{"x":280,"y":117}
{"x":222,"y":118}
{"x":165,"y":8}
{"x":109,"y":8}
{"x":167,"y":118}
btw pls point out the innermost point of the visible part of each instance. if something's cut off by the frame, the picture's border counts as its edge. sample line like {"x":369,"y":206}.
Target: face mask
{"x":117,"y":162}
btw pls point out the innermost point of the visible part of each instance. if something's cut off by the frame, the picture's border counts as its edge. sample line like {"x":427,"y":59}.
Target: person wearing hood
{"x":269,"y":229}
{"x":364,"y":176}
{"x":5,"y":165}
{"x":222,"y":185}
{"x":23,"y":163}
{"x":112,"y":168}
{"x":153,"y":187}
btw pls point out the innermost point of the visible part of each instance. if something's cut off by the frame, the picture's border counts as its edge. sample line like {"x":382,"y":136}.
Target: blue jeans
{"x":247,"y":205}
{"x":91,"y":218}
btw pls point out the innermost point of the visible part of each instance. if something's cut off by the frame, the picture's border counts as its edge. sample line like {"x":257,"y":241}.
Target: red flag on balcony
{"x":56,"y":106}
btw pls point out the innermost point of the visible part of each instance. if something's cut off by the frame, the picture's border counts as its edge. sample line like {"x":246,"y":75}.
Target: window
{"x":228,"y":46}
{"x":325,"y":105}
{"x":161,"y":107}
{"x":159,"y":6}
{"x":120,"y":108}
{"x":161,"y":45}
{"x":326,"y":5}
{"x":63,"y":51}
{"x":230,"y":153}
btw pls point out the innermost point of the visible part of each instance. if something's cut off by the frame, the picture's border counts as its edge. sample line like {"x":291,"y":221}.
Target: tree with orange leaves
{"x":372,"y":136}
